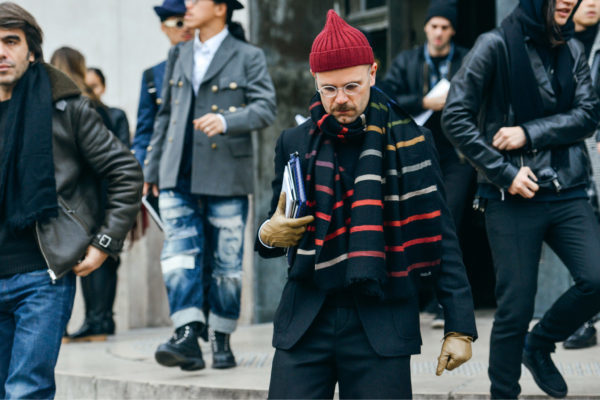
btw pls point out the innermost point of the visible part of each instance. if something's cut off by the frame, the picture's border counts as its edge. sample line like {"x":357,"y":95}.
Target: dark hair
{"x":235,"y":28}
{"x":13,"y":16}
{"x":72,"y":63}
{"x":100,"y":74}
{"x":553,"y":31}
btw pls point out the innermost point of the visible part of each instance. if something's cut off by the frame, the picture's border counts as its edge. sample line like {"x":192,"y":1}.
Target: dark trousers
{"x":516,"y":231}
{"x":336,"y":349}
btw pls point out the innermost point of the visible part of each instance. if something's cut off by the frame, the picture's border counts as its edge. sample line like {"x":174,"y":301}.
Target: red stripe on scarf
{"x":414,"y":242}
{"x":361,"y":203}
{"x":324,"y":164}
{"x":324,"y":189}
{"x":377,"y":254}
{"x":315,"y":104}
{"x":419,"y":217}
{"x":366,"y":228}
{"x":318,"y":242}
{"x":322,"y":120}
{"x":338,"y":204}
{"x":349,"y":193}
{"x":400,"y":274}
{"x":311,"y":228}
{"x":337,"y":233}
{"x":323,"y":216}
{"x":311,"y":203}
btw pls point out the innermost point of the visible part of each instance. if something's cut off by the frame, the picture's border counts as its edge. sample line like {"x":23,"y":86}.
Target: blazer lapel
{"x":222,"y":56}
{"x":187,"y":59}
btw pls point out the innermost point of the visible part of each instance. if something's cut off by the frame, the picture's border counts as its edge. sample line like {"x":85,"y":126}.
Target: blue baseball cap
{"x":170,"y":8}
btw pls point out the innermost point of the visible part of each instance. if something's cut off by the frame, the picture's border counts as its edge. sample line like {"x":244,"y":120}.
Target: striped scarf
{"x":375,"y":230}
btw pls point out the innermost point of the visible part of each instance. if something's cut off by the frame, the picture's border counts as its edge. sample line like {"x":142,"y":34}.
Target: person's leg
{"x":574,"y":236}
{"x":307,"y":370}
{"x":181,"y":258}
{"x":226,"y":217}
{"x":515,"y":232}
{"x":363,"y":374}
{"x":182,"y":267}
{"x":7,"y":331}
{"x":41,"y":312}
{"x":459,"y":179}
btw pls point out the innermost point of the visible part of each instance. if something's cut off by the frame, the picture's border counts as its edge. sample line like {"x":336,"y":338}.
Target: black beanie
{"x":443,"y":8}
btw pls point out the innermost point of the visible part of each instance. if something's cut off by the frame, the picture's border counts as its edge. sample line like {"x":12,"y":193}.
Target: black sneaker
{"x":545,"y":373}
{"x":222,"y":355}
{"x":182,"y":349}
{"x":582,"y":338}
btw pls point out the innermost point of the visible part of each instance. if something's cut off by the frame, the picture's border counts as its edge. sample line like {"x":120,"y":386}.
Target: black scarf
{"x":27,"y":184}
{"x":587,"y":37}
{"x":528,"y":20}
{"x":376,"y":229}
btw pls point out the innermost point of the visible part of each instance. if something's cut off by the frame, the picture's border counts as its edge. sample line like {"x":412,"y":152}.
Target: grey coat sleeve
{"x":161,"y":123}
{"x":260,"y":96}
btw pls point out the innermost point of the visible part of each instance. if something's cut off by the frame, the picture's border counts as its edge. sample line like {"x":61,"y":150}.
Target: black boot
{"x":182,"y":349}
{"x":583,"y":337}
{"x":544,"y":372}
{"x":99,"y":289}
{"x":222,"y":355}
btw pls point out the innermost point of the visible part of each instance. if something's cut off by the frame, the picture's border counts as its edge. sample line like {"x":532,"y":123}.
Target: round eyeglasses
{"x":350,"y":89}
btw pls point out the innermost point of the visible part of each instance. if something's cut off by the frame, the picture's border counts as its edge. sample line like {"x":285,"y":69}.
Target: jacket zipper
{"x":73,"y":214}
{"x":39,"y":241}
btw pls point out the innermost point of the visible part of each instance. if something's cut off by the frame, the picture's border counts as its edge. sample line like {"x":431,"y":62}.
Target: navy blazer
{"x":392,"y":327}
{"x":147,"y":110}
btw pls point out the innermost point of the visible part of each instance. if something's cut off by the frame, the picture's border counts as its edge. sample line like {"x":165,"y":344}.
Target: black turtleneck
{"x":19,"y":252}
{"x":587,"y":37}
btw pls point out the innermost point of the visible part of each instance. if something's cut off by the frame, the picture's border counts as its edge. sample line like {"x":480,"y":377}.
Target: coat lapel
{"x":222,"y":56}
{"x":187,"y":59}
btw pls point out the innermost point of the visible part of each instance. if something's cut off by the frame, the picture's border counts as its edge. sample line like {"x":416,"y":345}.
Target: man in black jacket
{"x":413,"y":74}
{"x":54,"y":151}
{"x":349,"y":311}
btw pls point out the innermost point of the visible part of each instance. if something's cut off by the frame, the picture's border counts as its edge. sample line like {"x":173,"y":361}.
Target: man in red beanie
{"x":376,"y":220}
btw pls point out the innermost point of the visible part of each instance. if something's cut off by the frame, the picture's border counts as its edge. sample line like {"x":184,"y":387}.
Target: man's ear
{"x":31,"y":57}
{"x":373,"y":73}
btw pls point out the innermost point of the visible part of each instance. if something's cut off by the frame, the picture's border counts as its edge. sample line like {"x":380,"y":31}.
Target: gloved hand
{"x":280,"y":231}
{"x":456,"y":350}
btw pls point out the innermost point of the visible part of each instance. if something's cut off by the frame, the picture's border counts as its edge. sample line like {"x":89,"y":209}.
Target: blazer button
{"x":232,"y":109}
{"x":233,"y":86}
{"x":171,"y":139}
{"x":171,"y":82}
{"x":215,"y":88}
{"x":176,"y":102}
{"x":146,"y":162}
{"x":180,"y":84}
{"x":149,"y":148}
{"x":214,"y":107}
{"x":159,"y":101}
{"x":132,"y":151}
{"x":213,"y":146}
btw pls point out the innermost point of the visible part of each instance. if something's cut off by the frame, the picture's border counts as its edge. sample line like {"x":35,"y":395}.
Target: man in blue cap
{"x":171,"y":22}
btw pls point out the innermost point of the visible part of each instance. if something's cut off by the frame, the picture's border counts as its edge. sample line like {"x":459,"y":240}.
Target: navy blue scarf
{"x":27,"y":184}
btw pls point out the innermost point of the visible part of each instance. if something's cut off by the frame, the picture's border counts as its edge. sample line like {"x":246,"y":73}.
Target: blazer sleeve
{"x":261,"y":108}
{"x":395,"y":84}
{"x":147,"y":110}
{"x":452,"y":285}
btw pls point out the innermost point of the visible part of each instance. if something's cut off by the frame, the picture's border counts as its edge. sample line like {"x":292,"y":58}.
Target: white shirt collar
{"x":210,"y":46}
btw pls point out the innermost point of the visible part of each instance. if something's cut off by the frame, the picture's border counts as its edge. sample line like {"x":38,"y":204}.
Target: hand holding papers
{"x":439,"y":90}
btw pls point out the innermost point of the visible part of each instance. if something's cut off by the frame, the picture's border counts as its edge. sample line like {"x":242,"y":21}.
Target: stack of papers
{"x":293,"y":187}
{"x":442,"y":88}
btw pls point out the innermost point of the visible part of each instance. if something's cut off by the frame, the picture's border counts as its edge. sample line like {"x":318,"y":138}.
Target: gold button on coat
{"x":215,"y":88}
{"x":214,"y":107}
{"x":171,"y":82}
{"x":214,"y":146}
{"x":149,"y":148}
{"x":159,"y":101}
{"x":232,"y":109}
{"x":171,"y":139}
{"x":146,"y":162}
{"x":233,"y":86}
{"x":180,"y":84}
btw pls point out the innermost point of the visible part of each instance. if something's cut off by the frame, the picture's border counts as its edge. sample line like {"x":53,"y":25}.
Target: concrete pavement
{"x":124,"y":368}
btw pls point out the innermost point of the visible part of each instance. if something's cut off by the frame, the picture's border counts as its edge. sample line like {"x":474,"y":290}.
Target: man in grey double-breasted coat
{"x":216,"y":90}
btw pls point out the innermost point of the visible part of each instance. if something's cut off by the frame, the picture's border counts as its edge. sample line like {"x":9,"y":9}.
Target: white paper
{"x":289,"y":192}
{"x":423,"y":117}
{"x":441,"y":89}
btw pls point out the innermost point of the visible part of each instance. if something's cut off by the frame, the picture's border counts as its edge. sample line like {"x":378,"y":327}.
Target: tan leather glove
{"x":456,"y":350}
{"x":280,"y":231}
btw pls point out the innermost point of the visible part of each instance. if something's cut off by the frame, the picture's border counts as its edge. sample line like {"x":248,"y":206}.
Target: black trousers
{"x":516,"y":231}
{"x":336,"y":349}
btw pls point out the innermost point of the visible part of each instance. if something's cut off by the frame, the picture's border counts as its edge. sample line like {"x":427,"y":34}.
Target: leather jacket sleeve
{"x":161,"y":123}
{"x":467,"y":95}
{"x":396,"y":86}
{"x":111,"y":160}
{"x":575,"y":125}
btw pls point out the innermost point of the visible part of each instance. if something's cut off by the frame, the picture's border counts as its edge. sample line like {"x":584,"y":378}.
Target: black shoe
{"x":222,"y":355}
{"x":545,"y":373}
{"x":582,"y":338}
{"x":92,"y":330}
{"x":182,"y":350}
{"x":438,"y":320}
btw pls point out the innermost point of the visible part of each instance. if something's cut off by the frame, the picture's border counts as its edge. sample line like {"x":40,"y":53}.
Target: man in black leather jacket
{"x":519,"y":109}
{"x":55,"y":151}
{"x":413,"y":74}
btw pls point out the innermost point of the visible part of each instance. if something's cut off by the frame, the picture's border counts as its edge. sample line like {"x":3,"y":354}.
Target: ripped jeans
{"x":202,"y":257}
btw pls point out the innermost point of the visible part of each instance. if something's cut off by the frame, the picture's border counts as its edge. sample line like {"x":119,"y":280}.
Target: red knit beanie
{"x":339,"y":46}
